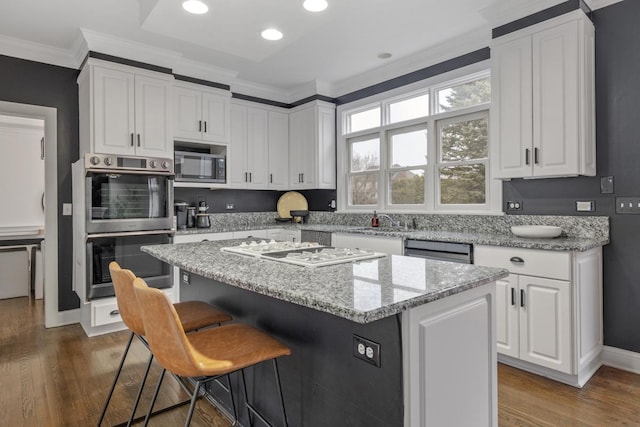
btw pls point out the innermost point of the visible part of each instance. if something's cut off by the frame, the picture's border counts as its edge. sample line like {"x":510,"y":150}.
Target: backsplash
{"x":572,"y":226}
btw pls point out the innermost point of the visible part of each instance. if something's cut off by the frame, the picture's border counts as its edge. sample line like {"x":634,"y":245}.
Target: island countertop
{"x":362,"y":292}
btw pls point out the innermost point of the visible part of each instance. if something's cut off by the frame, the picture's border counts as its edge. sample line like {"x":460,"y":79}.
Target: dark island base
{"x":323,"y":383}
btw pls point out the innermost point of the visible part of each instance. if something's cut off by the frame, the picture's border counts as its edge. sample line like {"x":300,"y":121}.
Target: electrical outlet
{"x":366,"y":350}
{"x":628,"y":205}
{"x":606,"y":185}
{"x":514,"y":205}
{"x":230,"y":205}
{"x":185,"y":277}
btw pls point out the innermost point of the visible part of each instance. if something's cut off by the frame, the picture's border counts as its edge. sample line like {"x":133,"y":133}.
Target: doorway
{"x":50,"y":248}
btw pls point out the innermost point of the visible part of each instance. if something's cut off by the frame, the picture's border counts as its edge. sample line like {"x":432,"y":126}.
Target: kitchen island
{"x":432,"y":321}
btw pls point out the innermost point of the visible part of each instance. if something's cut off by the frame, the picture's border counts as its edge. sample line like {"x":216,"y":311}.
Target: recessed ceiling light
{"x":195,"y":6}
{"x":271,"y":34}
{"x":315,"y":5}
{"x":384,"y":55}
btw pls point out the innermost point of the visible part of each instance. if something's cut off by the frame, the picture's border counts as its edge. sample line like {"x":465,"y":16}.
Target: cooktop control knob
{"x":94,"y":160}
{"x":108,"y":161}
{"x":165,"y":165}
{"x":153,"y":164}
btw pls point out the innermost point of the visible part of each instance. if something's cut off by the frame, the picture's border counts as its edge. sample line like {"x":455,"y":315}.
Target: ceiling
{"x":332,"y":50}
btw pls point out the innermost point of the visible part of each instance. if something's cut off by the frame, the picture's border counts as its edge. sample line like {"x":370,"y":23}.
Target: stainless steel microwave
{"x":200,"y":167}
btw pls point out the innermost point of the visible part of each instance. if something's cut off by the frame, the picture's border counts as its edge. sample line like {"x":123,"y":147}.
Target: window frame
{"x":431,"y":86}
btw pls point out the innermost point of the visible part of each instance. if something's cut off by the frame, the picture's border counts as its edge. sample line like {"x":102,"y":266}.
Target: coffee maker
{"x":181,"y":214}
{"x":202,"y":218}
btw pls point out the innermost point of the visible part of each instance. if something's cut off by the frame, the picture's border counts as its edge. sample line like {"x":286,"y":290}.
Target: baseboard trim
{"x":67,"y":317}
{"x":621,"y":359}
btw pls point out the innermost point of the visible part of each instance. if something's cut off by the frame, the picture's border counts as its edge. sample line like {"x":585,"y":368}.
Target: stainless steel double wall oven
{"x":128,"y":204}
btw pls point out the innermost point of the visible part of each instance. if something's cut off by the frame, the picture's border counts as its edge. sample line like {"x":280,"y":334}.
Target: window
{"x":426,"y":150}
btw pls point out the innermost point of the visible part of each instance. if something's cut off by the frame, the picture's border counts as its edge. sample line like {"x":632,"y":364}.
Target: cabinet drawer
{"x":551,"y":264}
{"x":105,"y":312}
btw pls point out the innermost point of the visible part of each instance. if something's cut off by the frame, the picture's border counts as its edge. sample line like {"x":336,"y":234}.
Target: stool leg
{"x":153,"y":399}
{"x":236,"y":421}
{"x":196,"y":391}
{"x":284,"y":414}
{"x":115,"y":380}
{"x":144,"y":380}
{"x":246,"y":397}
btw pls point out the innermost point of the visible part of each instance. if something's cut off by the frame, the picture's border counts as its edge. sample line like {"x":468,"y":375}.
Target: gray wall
{"x":618,"y":154}
{"x":34,"y":83}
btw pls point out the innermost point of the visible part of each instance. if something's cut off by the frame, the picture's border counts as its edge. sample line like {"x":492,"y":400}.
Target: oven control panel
{"x":113,"y":162}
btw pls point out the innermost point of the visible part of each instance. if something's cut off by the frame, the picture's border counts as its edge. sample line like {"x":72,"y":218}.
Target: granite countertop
{"x":563,"y":243}
{"x":363,"y":291}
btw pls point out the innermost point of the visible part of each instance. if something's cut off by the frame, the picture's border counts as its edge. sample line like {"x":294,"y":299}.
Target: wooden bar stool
{"x":192,"y":315}
{"x":203,"y":355}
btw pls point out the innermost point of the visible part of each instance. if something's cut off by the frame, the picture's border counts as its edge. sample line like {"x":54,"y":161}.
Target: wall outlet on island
{"x":366,"y":350}
{"x":230,"y":205}
{"x":514,"y":205}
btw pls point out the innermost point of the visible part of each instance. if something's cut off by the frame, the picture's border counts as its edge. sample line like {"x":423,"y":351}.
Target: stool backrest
{"x":167,"y":340}
{"x":127,"y":304}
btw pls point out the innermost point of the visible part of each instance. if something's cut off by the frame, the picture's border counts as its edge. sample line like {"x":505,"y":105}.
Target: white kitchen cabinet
{"x":124,"y":110}
{"x":542,"y":100}
{"x":258,"y":151}
{"x":549,"y":310}
{"x":388,"y":245}
{"x":312,"y":159}
{"x":201,"y":113}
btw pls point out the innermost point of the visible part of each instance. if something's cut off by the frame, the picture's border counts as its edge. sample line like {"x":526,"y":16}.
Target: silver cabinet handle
{"x":246,"y":177}
{"x":114,"y":313}
{"x":526,"y":156}
{"x":516,"y":260}
{"x":138,"y":140}
{"x":521,"y":297}
{"x":199,"y":125}
{"x":302,"y":177}
{"x":205,"y":126}
{"x":42,"y":148}
{"x":535,"y":155}
{"x":249,"y":176}
{"x":270,"y":178}
{"x":513,"y":296}
{"x":132,"y":139}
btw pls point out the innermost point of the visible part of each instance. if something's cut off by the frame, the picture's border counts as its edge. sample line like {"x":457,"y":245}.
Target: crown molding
{"x":258,"y":90}
{"x":504,"y":12}
{"x":199,"y":70}
{"x":37,"y":52}
{"x":453,"y":48}
{"x":599,"y":4}
{"x":128,"y":49}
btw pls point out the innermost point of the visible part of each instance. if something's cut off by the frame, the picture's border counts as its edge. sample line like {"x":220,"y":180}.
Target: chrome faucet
{"x":391,"y":220}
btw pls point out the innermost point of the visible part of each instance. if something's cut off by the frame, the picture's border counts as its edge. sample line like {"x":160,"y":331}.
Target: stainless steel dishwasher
{"x":442,"y":251}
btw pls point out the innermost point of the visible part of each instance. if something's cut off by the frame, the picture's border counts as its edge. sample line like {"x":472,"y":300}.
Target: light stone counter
{"x":361,"y":292}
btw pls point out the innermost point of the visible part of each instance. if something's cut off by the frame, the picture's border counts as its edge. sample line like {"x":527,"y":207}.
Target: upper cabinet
{"x":201,"y":113}
{"x":124,"y":110}
{"x":312,"y":146}
{"x":542,"y":101}
{"x":258,"y":151}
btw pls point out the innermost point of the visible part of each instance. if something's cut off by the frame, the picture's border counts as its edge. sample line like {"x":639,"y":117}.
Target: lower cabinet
{"x":549,"y":310}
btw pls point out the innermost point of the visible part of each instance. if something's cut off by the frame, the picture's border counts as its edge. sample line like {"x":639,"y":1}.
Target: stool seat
{"x":196,"y":315}
{"x":228,"y":348}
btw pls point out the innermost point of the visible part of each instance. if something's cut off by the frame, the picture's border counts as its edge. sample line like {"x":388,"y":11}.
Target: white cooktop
{"x":307,"y":254}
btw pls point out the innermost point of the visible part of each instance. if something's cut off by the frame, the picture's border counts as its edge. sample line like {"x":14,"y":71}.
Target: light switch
{"x":585,"y":206}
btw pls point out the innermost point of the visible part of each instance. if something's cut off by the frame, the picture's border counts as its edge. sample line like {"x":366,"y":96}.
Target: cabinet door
{"x":556,"y":101}
{"x":215,"y":117}
{"x":188,"y":113}
{"x":278,"y":151}
{"x":325,"y":164}
{"x":545,"y":322}
{"x":301,"y":148}
{"x":237,"y":174}
{"x":511,"y":109}
{"x":114,"y":115}
{"x":507,"y":330}
{"x":257,"y":148}
{"x":153,"y":117}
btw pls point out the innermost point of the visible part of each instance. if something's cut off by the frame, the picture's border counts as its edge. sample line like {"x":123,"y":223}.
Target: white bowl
{"x":536,"y":231}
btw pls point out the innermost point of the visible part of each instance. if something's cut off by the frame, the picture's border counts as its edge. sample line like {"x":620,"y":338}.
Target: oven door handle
{"x":129,"y":233}
{"x":130,"y":172}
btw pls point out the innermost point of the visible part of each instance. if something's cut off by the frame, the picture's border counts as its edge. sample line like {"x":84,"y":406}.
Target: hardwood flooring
{"x":59,"y":377}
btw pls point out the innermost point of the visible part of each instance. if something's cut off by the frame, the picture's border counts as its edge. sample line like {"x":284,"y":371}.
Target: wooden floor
{"x":59,"y":377}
